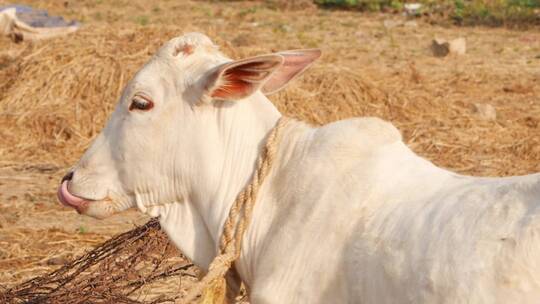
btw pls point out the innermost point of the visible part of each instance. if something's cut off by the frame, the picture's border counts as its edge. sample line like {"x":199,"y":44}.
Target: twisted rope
{"x":213,"y":286}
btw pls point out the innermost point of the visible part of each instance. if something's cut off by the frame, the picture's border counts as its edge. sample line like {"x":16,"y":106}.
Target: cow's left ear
{"x":270,"y":73}
{"x":239,"y":79}
{"x":294,"y":64}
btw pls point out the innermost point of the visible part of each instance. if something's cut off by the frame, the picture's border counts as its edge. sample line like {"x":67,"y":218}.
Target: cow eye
{"x":141,"y":103}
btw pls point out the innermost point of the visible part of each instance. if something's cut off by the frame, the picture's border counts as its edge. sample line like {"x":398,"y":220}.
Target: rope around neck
{"x":213,"y":286}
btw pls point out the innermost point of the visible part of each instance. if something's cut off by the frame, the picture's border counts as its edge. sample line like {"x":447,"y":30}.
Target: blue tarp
{"x":38,"y":18}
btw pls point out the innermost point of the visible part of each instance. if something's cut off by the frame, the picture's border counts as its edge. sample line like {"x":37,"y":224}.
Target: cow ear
{"x":294,"y":64}
{"x":239,"y":79}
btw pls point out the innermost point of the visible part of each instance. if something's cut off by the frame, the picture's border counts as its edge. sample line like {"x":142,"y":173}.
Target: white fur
{"x":348,"y":214}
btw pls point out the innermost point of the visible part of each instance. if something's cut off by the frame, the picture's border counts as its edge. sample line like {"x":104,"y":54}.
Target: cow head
{"x":168,"y":139}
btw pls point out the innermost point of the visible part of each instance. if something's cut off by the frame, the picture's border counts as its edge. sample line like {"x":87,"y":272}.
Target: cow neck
{"x":213,"y":285}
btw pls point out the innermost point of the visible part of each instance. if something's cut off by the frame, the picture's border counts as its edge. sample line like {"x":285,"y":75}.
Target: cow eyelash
{"x":141,"y":103}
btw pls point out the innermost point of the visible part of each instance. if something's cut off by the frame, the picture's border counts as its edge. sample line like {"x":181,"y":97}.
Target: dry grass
{"x":55,"y":95}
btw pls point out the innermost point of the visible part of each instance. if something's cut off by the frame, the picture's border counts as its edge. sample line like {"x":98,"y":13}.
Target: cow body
{"x":347,"y":214}
{"x":351,"y":215}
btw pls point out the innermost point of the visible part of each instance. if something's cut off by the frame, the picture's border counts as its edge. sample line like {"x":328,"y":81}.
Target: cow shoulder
{"x":356,"y":135}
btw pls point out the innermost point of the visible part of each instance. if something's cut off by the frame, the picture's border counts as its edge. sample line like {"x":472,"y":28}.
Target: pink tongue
{"x":67,"y":198}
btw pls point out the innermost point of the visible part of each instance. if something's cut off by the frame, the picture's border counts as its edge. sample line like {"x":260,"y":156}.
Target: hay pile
{"x":55,"y":96}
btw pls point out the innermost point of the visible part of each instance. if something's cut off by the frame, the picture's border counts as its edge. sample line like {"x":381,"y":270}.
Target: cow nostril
{"x":67,"y":177}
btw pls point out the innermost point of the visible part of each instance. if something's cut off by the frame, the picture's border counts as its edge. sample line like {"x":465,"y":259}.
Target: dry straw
{"x":56,"y":96}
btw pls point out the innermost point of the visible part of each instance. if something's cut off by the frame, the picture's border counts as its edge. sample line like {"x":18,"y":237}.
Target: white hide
{"x":348,"y":214}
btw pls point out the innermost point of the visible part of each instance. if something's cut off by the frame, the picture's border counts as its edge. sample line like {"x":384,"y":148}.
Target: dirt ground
{"x":55,"y":96}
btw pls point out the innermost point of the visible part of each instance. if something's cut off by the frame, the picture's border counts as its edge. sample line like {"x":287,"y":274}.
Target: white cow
{"x":348,"y":213}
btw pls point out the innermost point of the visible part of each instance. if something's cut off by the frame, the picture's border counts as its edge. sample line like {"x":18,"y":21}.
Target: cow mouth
{"x":67,"y":199}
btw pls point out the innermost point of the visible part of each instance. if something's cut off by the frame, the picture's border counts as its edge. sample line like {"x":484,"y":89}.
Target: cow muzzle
{"x":67,"y":199}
